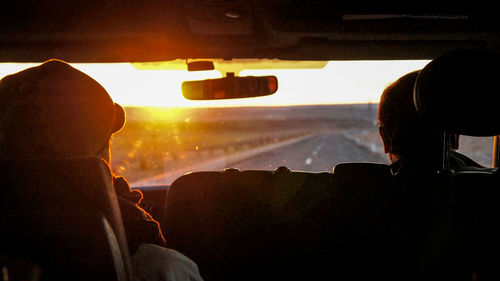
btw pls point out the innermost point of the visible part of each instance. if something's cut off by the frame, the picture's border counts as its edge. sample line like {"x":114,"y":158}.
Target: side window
{"x":479,"y":149}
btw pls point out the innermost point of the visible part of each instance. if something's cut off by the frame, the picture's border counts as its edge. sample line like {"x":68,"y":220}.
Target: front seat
{"x":60,"y":220}
{"x":459,"y":93}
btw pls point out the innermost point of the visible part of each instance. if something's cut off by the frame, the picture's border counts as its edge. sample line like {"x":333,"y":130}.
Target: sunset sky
{"x":337,"y":82}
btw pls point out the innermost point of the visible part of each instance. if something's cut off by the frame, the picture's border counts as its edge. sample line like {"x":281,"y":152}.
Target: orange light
{"x":273,"y":84}
{"x":220,"y":94}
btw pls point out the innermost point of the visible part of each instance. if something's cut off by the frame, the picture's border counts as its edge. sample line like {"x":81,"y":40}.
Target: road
{"x":315,"y":152}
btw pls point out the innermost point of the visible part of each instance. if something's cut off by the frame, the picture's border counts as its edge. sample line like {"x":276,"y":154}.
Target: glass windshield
{"x":319,"y":117}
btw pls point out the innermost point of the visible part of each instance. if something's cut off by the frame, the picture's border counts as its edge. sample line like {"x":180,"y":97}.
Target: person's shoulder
{"x":459,"y":160}
{"x":414,"y":167}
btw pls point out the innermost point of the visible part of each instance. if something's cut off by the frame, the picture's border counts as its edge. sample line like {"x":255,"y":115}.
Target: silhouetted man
{"x":54,"y":110}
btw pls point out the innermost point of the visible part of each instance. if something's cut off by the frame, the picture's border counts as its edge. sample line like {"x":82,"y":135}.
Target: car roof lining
{"x":115,"y":31}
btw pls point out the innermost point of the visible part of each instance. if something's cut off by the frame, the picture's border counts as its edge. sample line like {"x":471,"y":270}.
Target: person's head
{"x":54,"y":110}
{"x":403,"y":133}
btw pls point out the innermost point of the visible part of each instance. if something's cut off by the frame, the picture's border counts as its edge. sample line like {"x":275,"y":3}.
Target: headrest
{"x":459,"y":92}
{"x":88,"y":177}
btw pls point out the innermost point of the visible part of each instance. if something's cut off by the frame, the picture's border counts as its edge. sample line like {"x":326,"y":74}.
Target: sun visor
{"x":459,"y":92}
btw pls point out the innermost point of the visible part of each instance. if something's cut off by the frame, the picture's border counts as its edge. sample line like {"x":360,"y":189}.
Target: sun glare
{"x":338,"y":82}
{"x":164,"y":114}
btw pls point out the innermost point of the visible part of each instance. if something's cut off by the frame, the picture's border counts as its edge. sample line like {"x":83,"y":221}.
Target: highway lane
{"x":317,"y":153}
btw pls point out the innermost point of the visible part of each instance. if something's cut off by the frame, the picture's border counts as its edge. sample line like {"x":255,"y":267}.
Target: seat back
{"x":458,"y":93}
{"x":388,"y":227}
{"x":62,"y":216}
{"x":477,"y":222}
{"x":237,"y":225}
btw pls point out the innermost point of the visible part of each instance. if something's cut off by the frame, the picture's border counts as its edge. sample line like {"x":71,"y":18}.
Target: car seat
{"x":60,"y":220}
{"x":458,"y":93}
{"x":241,"y":225}
{"x":379,"y":224}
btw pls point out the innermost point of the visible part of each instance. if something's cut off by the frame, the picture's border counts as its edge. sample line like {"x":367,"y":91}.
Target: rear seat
{"x":353,"y":224}
{"x":237,"y":225}
{"x":284,"y":225}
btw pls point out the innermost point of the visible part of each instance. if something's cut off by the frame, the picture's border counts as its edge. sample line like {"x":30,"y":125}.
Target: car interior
{"x":355,"y":221}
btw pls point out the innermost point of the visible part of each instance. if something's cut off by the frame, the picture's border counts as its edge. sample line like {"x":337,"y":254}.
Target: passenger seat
{"x":60,"y":220}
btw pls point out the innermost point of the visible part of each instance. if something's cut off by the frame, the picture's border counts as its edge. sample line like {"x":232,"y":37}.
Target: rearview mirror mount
{"x":230,"y":87}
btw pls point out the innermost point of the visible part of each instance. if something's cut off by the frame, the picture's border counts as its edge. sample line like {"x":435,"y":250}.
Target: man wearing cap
{"x":54,"y":110}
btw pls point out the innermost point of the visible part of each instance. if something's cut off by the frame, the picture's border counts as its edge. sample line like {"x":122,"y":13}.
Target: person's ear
{"x":387,"y":146}
{"x":119,"y":118}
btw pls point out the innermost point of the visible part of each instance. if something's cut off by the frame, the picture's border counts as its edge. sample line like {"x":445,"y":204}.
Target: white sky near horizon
{"x":339,"y":82}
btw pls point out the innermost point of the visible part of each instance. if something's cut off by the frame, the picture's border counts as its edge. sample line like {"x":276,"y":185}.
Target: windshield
{"x":319,"y":117}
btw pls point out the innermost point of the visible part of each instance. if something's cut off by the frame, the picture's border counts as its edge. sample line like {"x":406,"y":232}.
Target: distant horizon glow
{"x":339,"y":82}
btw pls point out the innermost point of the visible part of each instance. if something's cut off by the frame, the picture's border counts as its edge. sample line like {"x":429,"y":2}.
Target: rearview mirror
{"x":230,"y":87}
